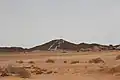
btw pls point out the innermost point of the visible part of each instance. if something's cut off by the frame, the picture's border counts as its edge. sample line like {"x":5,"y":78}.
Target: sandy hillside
{"x":65,"y":66}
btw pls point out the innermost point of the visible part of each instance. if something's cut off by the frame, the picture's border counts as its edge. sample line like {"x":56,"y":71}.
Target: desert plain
{"x":65,"y":66}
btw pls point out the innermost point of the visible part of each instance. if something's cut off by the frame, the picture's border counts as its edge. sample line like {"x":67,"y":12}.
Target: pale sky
{"x":27,"y":23}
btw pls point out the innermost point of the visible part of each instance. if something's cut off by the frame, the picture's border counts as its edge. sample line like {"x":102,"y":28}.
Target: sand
{"x":65,"y":71}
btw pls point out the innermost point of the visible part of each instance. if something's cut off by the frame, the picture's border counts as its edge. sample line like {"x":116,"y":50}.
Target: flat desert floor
{"x":66,"y":66}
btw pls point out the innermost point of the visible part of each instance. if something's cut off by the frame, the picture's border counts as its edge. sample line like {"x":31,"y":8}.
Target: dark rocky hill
{"x":60,"y":44}
{"x":55,"y":45}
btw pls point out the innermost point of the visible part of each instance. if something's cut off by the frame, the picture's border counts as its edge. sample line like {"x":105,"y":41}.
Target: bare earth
{"x":65,"y":71}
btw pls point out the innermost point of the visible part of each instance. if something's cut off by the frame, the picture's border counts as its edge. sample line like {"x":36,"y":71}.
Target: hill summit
{"x":56,"y":44}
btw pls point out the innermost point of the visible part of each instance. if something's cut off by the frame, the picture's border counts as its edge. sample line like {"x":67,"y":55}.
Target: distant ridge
{"x":61,"y":44}
{"x":12,"y":49}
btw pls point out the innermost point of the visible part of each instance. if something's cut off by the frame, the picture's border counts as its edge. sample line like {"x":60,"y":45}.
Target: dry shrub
{"x":37,"y":71}
{"x":44,"y":70}
{"x":55,"y":72}
{"x":64,"y":52}
{"x":65,"y":61}
{"x":74,"y":62}
{"x":4,"y":72}
{"x":31,"y":62}
{"x":19,"y":61}
{"x":49,"y":72}
{"x":27,"y":67}
{"x":50,"y":61}
{"x":34,"y":67}
{"x":20,"y":71}
{"x":118,"y":57}
{"x":96,"y":60}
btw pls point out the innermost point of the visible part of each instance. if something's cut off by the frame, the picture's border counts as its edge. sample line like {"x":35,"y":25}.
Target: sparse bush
{"x":31,"y":62}
{"x":49,"y":72}
{"x":27,"y":67}
{"x":4,"y":73}
{"x":38,"y":71}
{"x":55,"y":72}
{"x":19,"y":61}
{"x":64,"y":52}
{"x":65,"y":61}
{"x":50,"y":61}
{"x":96,"y":60}
{"x":118,"y":57}
{"x":74,"y":62}
{"x":32,"y":66}
{"x":44,"y":70}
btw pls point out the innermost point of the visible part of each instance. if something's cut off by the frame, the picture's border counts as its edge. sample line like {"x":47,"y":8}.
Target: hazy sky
{"x":29,"y":23}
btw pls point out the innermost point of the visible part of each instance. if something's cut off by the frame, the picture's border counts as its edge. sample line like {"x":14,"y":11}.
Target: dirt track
{"x":65,"y":71}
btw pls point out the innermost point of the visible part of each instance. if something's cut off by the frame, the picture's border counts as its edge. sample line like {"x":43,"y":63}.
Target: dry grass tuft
{"x":38,"y":70}
{"x":96,"y":60}
{"x":74,"y":62}
{"x":4,"y":72}
{"x":31,"y":62}
{"x":49,"y":72}
{"x":50,"y":61}
{"x":65,"y":61}
{"x":19,"y":61}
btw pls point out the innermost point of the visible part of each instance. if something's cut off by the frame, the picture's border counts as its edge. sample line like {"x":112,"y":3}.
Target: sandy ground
{"x":65,"y":71}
